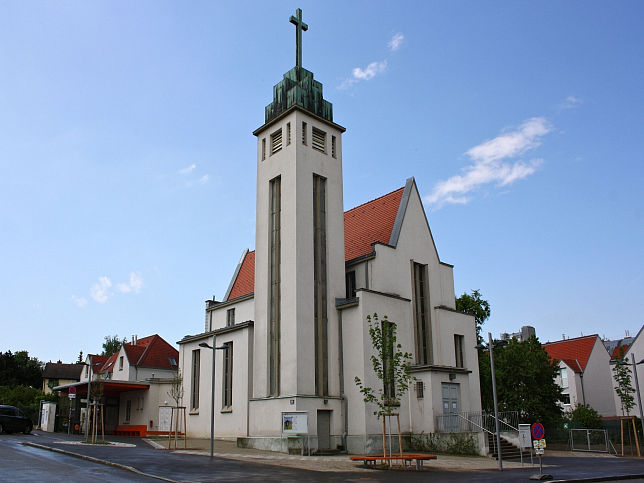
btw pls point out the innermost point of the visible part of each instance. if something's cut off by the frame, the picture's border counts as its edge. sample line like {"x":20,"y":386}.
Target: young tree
{"x":391,"y":365}
{"x":112,"y":345}
{"x":525,"y":381}
{"x":624,"y":389}
{"x":176,"y":389}
{"x":80,"y":358}
{"x":473,"y":304}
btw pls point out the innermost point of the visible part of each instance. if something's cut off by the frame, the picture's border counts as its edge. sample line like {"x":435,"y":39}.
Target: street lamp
{"x":212,"y":391}
{"x":496,"y":404}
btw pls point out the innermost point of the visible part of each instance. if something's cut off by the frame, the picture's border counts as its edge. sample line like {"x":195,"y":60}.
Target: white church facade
{"x":291,"y":332}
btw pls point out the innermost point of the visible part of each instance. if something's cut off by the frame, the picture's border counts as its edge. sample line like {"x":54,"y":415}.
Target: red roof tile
{"x":572,"y":350}
{"x":364,"y":225}
{"x":152,"y":351}
{"x":245,"y":281}
{"x":619,"y":351}
{"x":369,"y":223}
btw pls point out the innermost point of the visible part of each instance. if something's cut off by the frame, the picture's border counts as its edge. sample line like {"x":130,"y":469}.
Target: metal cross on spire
{"x":299,"y":27}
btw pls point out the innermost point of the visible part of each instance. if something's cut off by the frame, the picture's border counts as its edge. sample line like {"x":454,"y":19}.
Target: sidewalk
{"x":229,"y":449}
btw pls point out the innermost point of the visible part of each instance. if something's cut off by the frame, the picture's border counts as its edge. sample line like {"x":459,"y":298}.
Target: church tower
{"x":299,"y":260}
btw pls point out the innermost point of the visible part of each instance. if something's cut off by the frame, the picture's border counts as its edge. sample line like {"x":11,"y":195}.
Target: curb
{"x":99,"y":461}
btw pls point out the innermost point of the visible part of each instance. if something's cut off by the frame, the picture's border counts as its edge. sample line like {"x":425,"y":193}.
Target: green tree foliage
{"x":473,"y":304}
{"x":20,"y":370}
{"x":624,"y":388}
{"x":80,"y":358}
{"x":26,"y":398}
{"x":112,"y":345}
{"x":525,"y":381}
{"x":584,"y":416}
{"x":391,"y":365}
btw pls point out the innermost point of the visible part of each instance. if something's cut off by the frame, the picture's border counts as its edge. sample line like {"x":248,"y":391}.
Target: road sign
{"x":72,"y":390}
{"x":539,"y":443}
{"x":538,"y":432}
{"x":539,"y":451}
{"x":71,"y":395}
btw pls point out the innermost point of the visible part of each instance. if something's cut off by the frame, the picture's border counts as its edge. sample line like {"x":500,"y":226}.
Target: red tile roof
{"x":370,"y":223}
{"x":245,"y":281}
{"x":572,"y":350}
{"x":619,"y":351}
{"x":151,"y":351}
{"x":364,"y":225}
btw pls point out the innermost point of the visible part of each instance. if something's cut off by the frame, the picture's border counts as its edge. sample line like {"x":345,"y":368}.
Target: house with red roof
{"x":585,"y":373}
{"x":631,"y":351}
{"x":290,"y":335}
{"x":134,"y":385}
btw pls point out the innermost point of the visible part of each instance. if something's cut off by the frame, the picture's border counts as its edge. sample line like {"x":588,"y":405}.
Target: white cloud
{"x":491,"y":164}
{"x":188,"y":169}
{"x":100,"y":290}
{"x":133,"y":285}
{"x":358,"y":74}
{"x":571,"y":102}
{"x":396,"y":41}
{"x":203,"y":179}
{"x":79,"y":301}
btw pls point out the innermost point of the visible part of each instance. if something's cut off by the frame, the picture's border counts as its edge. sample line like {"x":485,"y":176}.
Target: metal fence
{"x":475,"y":422}
{"x":589,"y":440}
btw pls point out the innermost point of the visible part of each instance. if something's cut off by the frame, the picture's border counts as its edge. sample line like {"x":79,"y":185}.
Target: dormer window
{"x":173,"y":361}
{"x":121,"y":363}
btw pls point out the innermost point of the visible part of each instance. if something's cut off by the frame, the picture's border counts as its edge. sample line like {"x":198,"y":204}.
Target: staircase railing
{"x":475,"y":422}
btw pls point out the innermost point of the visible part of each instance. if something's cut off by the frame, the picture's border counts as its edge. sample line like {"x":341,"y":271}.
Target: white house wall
{"x":598,"y":381}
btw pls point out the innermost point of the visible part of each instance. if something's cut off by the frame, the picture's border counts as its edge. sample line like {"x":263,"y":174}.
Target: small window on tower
{"x":420,"y":390}
{"x":333,"y":146}
{"x":276,"y":141}
{"x":319,"y":140}
{"x":303,"y":133}
{"x":288,"y":133}
{"x":263,"y":149}
{"x":230,"y":317}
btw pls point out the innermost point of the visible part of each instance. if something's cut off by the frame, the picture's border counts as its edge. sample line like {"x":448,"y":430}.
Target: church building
{"x":291,"y":333}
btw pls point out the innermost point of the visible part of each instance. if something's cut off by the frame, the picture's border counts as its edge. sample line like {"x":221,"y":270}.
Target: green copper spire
{"x":298,"y":88}
{"x":299,"y":28}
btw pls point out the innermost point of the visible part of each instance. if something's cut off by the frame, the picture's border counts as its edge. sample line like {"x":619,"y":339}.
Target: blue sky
{"x":127,"y":185}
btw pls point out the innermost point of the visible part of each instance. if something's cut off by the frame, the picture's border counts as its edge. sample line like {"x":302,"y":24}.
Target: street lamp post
{"x":496,"y":405}
{"x":212,"y":391}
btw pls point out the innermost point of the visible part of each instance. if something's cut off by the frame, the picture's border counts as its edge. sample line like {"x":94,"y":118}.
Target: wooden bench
{"x":140,"y":430}
{"x":372,"y":460}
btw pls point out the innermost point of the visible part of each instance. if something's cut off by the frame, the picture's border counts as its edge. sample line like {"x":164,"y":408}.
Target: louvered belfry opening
{"x":319,"y":140}
{"x":276,"y":141}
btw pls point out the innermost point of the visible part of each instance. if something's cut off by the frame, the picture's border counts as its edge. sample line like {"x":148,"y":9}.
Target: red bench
{"x":140,"y":430}
{"x":372,"y":460}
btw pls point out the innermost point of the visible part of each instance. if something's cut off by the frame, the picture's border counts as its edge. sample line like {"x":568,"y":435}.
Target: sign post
{"x":539,"y":443}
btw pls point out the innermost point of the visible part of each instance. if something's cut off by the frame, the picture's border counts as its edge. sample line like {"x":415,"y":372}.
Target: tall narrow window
{"x":263,"y":149}
{"x":564,"y":377}
{"x":319,"y":140}
{"x":458,"y":350}
{"x":288,"y":133}
{"x":120,"y":363}
{"x":333,"y":147}
{"x":275,"y":295}
{"x":350,"y":281}
{"x":230,"y":317}
{"x":227,"y":397}
{"x":276,"y":141}
{"x":320,"y":288}
{"x":388,"y":342}
{"x":128,"y":410}
{"x":194,"y":381}
{"x":423,"y":333}
{"x":303,"y":133}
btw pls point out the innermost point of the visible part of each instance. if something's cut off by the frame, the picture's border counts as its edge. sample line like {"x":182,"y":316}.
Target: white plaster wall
{"x":244,"y":310}
{"x":598,"y":381}
{"x":144,"y":405}
{"x":636,"y":349}
{"x":571,"y":390}
{"x":198,"y":421}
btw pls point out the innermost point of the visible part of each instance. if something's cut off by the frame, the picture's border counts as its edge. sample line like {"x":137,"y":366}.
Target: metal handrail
{"x":473,"y":423}
{"x":506,"y":423}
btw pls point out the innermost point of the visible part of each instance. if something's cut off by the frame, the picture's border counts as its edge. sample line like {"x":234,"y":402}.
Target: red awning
{"x":110,"y":388}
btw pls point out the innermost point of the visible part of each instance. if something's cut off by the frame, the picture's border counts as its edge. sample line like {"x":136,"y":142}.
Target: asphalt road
{"x":23,"y":463}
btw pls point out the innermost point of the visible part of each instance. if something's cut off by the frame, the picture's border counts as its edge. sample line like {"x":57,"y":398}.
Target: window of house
{"x":333,"y":147}
{"x":319,"y":140}
{"x":274,"y":243}
{"x":276,"y":141}
{"x":350,"y":281}
{"x":458,"y":350}
{"x":420,"y":390}
{"x":288,"y":133}
{"x":388,"y":376}
{"x":230,"y":317}
{"x":227,"y":398}
{"x":128,"y":410}
{"x":86,"y":371}
{"x":194,"y":383}
{"x":303,"y":133}
{"x":263,"y":149}
{"x":422,"y":329}
{"x":121,"y":363}
{"x":565,"y":398}
{"x":564,"y":377}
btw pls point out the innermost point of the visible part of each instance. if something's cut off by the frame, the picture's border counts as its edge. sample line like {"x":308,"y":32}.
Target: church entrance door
{"x":450,"y":407}
{"x":324,"y":429}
